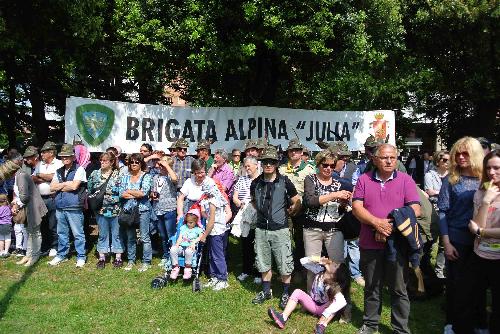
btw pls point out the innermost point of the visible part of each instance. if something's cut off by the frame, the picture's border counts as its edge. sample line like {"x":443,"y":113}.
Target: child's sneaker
{"x":187,"y":273}
{"x":261,"y":297}
{"x":175,"y":273}
{"x":220,"y":285}
{"x":277,"y":317}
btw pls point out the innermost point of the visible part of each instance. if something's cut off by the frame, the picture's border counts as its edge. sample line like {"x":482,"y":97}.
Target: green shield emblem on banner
{"x":94,"y":122}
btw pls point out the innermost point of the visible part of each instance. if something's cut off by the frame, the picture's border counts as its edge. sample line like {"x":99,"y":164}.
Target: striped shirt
{"x":243,"y":188}
{"x":183,"y":169}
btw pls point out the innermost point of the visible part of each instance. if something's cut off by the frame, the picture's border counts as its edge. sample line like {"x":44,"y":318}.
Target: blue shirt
{"x":456,"y":208}
{"x":187,"y":234}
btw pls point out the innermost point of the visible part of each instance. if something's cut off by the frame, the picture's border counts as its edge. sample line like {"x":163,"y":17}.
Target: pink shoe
{"x":175,"y":272}
{"x":187,"y":273}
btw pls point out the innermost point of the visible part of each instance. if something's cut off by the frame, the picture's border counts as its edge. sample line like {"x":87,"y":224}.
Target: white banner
{"x":102,"y":124}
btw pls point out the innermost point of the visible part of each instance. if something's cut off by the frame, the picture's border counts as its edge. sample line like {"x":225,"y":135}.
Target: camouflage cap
{"x":342,"y":148}
{"x":181,"y":143}
{"x":48,"y":146}
{"x":250,"y":143}
{"x":67,"y":150}
{"x":372,"y":142}
{"x":261,"y":143}
{"x":30,"y":151}
{"x":269,"y":153}
{"x":294,"y":144}
{"x":203,"y":144}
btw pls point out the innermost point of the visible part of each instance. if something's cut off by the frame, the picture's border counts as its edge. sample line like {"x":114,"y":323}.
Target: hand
{"x":473,"y":227}
{"x":491,"y":194}
{"x":450,"y":252}
{"x":192,"y":247}
{"x":342,"y":195}
{"x":380,"y":237}
{"x":383,"y":226}
{"x":203,"y":238}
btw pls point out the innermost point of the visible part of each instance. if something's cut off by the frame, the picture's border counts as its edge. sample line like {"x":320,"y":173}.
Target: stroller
{"x":161,"y":281}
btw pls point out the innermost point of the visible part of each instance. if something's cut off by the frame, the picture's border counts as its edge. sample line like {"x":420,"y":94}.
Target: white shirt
{"x":80,"y":175}
{"x":191,"y":191}
{"x":44,"y":168}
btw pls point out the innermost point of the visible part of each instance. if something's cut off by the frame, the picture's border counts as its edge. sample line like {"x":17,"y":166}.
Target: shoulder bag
{"x":96,"y":199}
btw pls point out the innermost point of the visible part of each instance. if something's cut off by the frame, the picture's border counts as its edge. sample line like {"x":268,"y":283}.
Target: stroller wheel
{"x":159,"y":282}
{"x":196,"y":285}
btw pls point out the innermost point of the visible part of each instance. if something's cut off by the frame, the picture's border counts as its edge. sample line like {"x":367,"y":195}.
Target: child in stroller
{"x":186,"y":244}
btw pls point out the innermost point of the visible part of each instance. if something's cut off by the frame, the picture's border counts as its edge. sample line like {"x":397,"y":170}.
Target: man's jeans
{"x":351,"y":254}
{"x":67,"y":219}
{"x":108,"y":226}
{"x":167,"y":225}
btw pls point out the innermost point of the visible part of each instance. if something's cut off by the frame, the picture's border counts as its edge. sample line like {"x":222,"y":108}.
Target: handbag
{"x":96,"y":199}
{"x":20,"y":216}
{"x":350,"y":226}
{"x":129,"y":218}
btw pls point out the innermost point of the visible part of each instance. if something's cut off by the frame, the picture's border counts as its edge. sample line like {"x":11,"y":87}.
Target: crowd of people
{"x":296,"y":211}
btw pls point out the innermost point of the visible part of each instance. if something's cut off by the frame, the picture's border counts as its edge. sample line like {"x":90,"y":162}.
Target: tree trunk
{"x":40,"y":125}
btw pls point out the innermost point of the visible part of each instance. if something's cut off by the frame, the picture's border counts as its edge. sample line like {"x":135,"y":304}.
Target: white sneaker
{"x":162,"y":263}
{"x":56,"y":260}
{"x":211,"y":283}
{"x":448,"y":329}
{"x":52,"y":252}
{"x":144,"y":267}
{"x":220,"y":285}
{"x":80,"y":263}
{"x":129,"y":266}
{"x":257,"y":280}
{"x":242,"y":277}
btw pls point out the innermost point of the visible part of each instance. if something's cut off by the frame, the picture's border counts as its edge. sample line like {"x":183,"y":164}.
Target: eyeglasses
{"x":268,"y":162}
{"x":182,"y":149}
{"x":444,"y":160}
{"x":388,"y":158}
{"x":465,"y":154}
{"x":332,"y":166}
{"x":236,"y":155}
{"x":134,"y":162}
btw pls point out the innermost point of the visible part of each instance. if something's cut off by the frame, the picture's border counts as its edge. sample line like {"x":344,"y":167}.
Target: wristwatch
{"x":478,"y":232}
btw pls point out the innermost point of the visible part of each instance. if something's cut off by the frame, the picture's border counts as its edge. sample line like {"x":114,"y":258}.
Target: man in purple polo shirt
{"x":221,"y":171}
{"x":377,"y":193}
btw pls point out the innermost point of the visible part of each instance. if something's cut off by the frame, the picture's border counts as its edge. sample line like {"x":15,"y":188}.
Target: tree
{"x":454,"y":46}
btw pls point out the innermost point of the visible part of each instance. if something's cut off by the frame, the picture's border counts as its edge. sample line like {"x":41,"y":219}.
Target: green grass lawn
{"x":65,"y":299}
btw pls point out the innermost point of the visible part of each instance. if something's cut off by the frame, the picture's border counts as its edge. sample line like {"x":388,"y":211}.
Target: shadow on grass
{"x":14,"y":289}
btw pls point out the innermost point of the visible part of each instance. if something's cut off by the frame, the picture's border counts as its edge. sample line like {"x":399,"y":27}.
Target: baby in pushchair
{"x":186,"y":244}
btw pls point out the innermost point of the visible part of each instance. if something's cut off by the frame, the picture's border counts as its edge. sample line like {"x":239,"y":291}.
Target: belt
{"x":48,"y":196}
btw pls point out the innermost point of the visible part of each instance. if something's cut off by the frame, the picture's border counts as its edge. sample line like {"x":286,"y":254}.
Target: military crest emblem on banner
{"x":94,"y":122}
{"x":379,"y":126}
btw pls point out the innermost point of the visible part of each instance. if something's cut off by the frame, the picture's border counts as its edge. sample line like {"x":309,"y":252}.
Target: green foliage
{"x":438,"y":57}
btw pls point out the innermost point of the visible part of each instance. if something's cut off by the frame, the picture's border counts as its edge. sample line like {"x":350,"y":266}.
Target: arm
{"x":179,"y":240}
{"x":236,"y":201}
{"x":294,"y":209}
{"x":493,"y":232}
{"x":173,"y":176}
{"x":484,"y":203}
{"x":22,"y":185}
{"x":210,"y":223}
{"x":180,"y":204}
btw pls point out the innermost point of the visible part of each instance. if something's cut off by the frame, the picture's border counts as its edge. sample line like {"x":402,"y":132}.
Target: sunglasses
{"x":332,"y":166}
{"x":444,"y":160}
{"x":268,"y":162}
{"x":134,"y":162}
{"x":182,"y":149}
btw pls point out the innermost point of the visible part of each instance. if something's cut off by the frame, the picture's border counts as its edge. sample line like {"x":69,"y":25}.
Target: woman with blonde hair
{"x":455,"y":204}
{"x":484,"y":266}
